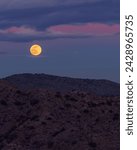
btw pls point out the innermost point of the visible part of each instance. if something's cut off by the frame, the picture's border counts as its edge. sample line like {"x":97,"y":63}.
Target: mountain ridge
{"x":27,"y":81}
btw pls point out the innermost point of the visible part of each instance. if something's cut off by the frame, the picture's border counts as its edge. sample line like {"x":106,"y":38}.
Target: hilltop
{"x":64,"y":84}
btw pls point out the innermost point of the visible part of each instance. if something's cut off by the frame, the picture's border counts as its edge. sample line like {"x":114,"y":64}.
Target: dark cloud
{"x":18,"y":38}
{"x":3,"y":52}
{"x":42,"y":17}
{"x":8,"y":4}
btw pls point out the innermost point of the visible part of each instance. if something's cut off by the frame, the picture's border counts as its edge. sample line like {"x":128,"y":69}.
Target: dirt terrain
{"x":43,"y":119}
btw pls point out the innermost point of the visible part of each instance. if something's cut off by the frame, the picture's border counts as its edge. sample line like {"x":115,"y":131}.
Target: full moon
{"x":35,"y":50}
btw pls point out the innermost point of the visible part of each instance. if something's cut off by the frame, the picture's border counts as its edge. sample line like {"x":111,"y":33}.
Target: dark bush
{"x":73,"y":99}
{"x":116,"y":117}
{"x":34,"y":102}
{"x":35,"y":118}
{"x":58,"y":95}
{"x":11,"y":137}
{"x":50,"y":144}
{"x":18,"y":103}
{"x":109,"y":103}
{"x":4,"y":103}
{"x":92,"y":144}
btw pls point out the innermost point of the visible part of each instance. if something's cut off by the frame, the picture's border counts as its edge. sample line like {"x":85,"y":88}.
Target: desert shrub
{"x":35,"y":118}
{"x":73,"y":99}
{"x":86,"y":111}
{"x":93,"y":144}
{"x":109,"y":103}
{"x":67,"y":96}
{"x":30,"y":127}
{"x":116,"y":117}
{"x":38,"y":144}
{"x":50,"y":144}
{"x":67,"y":105}
{"x":34,"y":102}
{"x":11,"y":137}
{"x":58,"y":95}
{"x":74,"y":143}
{"x":18,"y":103}
{"x":3,"y":102}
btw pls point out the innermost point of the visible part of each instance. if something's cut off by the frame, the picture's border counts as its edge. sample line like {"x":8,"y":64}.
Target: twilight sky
{"x":80,"y":38}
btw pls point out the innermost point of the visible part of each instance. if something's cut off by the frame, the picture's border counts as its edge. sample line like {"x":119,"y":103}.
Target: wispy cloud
{"x":60,"y":31}
{"x":18,"y":30}
{"x":89,"y":29}
{"x":32,"y":19}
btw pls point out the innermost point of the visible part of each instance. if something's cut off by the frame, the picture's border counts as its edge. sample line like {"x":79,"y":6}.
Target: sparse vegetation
{"x":42,"y":119}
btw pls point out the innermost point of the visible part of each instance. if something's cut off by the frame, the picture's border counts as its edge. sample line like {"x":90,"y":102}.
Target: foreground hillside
{"x":63,"y":84}
{"x":43,"y":120}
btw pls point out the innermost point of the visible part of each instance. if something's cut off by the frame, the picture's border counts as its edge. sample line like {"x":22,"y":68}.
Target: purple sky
{"x":80,"y":38}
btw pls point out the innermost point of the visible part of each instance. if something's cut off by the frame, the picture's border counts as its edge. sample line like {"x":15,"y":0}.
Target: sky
{"x":79,"y":38}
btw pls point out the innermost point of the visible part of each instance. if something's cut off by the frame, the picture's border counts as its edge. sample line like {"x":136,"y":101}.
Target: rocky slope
{"x":40,"y":119}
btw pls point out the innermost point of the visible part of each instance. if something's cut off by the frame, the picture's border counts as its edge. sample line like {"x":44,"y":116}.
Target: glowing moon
{"x":35,"y":50}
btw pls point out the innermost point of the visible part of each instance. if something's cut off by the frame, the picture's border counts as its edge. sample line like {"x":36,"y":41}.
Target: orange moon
{"x":35,"y":50}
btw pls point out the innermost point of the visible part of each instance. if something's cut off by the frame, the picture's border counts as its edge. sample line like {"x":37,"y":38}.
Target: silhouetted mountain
{"x":33,"y":81}
{"x":40,"y":119}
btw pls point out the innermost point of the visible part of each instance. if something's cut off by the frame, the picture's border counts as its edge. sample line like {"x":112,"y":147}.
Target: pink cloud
{"x":19,"y":30}
{"x":90,"y":29}
{"x":61,"y":31}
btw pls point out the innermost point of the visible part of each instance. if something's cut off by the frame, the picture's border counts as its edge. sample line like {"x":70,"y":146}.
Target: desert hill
{"x":32,"y":81}
{"x":43,"y":119}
